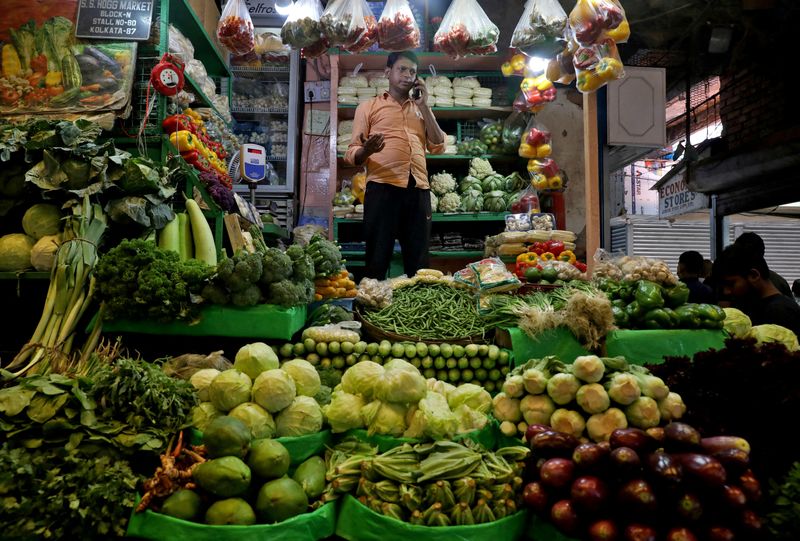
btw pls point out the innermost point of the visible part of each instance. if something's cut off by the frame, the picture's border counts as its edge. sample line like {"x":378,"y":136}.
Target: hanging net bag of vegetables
{"x":397,"y":29}
{"x":466,"y":30}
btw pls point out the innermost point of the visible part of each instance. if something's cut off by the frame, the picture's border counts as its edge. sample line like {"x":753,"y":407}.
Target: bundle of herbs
{"x":742,"y":390}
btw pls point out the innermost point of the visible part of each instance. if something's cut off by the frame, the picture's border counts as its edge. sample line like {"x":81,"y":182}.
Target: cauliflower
{"x":450,"y":202}
{"x":480,"y":168}
{"x":443,"y":183}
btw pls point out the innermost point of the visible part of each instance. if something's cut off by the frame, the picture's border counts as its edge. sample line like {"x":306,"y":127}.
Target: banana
{"x":462,"y":515}
{"x":464,"y":490}
{"x":411,"y":496}
{"x":482,"y":512}
{"x":387,"y":491}
{"x":393,"y":510}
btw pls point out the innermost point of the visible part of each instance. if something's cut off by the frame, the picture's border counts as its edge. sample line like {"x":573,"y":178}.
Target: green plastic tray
{"x":262,"y":321}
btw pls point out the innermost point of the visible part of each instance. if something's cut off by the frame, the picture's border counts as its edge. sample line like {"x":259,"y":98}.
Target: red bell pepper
{"x":580,"y":266}
{"x":175,"y":123}
{"x":555,"y":247}
{"x":538,"y":248}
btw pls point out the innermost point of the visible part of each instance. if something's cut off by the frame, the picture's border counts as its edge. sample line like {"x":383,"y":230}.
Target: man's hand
{"x":372,"y":144}
{"x":419,"y":85}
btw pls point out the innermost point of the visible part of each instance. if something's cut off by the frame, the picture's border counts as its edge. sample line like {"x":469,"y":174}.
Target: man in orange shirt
{"x":391,"y":134}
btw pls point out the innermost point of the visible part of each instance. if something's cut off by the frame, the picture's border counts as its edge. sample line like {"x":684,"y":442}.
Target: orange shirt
{"x":404,"y":140}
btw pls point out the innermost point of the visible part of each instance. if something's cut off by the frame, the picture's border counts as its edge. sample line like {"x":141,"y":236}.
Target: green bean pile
{"x":429,"y":312}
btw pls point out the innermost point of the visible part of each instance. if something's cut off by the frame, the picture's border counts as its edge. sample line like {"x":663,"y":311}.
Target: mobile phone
{"x":415,"y":92}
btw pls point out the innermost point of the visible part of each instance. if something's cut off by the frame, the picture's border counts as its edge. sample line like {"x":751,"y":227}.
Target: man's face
{"x":737,"y":287}
{"x":401,"y":76}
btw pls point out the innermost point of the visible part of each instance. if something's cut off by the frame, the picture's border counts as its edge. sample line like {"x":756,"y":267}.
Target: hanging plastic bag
{"x":349,"y":24}
{"x":597,"y":65}
{"x":560,"y":69}
{"x":302,"y":28}
{"x":465,"y":29}
{"x":513,"y":128}
{"x":316,"y":49}
{"x":535,"y":141}
{"x":540,"y":30}
{"x":235,"y":28}
{"x":526,"y":201}
{"x":397,"y":29}
{"x":546,"y":176}
{"x":592,"y":21}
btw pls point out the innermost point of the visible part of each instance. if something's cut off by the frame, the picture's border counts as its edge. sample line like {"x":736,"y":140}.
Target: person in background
{"x":752,"y":241}
{"x":690,"y":270}
{"x":796,"y":289}
{"x":744,"y":279}
{"x":391,"y":134}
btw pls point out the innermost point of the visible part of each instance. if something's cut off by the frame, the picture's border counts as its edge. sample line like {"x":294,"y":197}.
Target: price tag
{"x":120,"y":20}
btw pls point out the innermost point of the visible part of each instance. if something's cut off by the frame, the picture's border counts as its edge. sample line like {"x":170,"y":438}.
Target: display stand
{"x":641,"y":347}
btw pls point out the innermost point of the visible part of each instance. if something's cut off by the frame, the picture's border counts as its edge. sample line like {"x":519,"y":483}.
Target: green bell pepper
{"x":676,"y":295}
{"x":673,"y":317}
{"x":634,"y":311}
{"x":688,"y":317}
{"x":648,"y":295}
{"x":619,"y":303}
{"x":621,"y":319}
{"x":711,"y":311}
{"x":657,"y":319}
{"x":626,"y":291}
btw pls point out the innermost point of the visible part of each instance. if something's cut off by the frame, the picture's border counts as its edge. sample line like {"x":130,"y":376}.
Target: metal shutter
{"x":663,"y":240}
{"x":619,"y":238}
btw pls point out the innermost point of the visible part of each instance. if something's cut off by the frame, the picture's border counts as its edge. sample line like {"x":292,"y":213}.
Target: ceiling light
{"x":537,"y":64}
{"x":720,"y":40}
{"x":283,"y":10}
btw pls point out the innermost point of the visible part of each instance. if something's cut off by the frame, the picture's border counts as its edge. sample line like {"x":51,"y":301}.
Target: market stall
{"x":514,"y":391}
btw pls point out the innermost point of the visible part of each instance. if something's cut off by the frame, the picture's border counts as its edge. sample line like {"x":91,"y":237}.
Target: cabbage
{"x":274,"y":390}
{"x":472,"y":200}
{"x":255,"y":358}
{"x":43,"y":254}
{"x":203,"y":414}
{"x":41,"y":219}
{"x":361,"y":378}
{"x":469,"y":420}
{"x":201,"y":380}
{"x":384,"y":418}
{"x":344,"y":411}
{"x":15,"y":251}
{"x":229,"y":389}
{"x":302,"y":417}
{"x":471,"y":395}
{"x":774,"y":333}
{"x":736,"y":322}
{"x":439,"y":420}
{"x":441,"y":387}
{"x":416,"y":424}
{"x":401,"y":386}
{"x":400,"y":364}
{"x":305,"y":376}
{"x":256,"y":418}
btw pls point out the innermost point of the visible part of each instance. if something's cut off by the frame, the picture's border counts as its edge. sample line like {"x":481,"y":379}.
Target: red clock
{"x":167,"y":75}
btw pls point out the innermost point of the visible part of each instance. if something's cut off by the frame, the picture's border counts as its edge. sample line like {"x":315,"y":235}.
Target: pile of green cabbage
{"x":396,"y":400}
{"x":272,"y":400}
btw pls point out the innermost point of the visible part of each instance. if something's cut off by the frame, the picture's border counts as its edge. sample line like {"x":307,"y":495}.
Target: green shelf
{"x":25,"y":275}
{"x":457,"y":253}
{"x":185,"y":19}
{"x":275,"y":231}
{"x":200,"y":97}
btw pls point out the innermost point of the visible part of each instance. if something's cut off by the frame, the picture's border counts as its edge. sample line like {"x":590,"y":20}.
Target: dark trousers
{"x":392,"y":212}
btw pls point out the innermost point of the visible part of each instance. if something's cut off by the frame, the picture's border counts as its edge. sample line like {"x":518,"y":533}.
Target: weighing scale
{"x":253,"y":162}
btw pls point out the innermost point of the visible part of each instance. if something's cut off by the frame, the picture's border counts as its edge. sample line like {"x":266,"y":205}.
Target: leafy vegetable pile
{"x":744,"y":390}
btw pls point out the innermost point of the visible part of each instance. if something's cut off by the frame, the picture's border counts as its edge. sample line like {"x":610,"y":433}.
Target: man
{"x":690,"y":269}
{"x":391,"y":133}
{"x":753,"y":242}
{"x":744,"y":278}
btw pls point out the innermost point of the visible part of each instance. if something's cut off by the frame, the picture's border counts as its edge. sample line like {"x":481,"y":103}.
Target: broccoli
{"x":329,"y":377}
{"x":247,"y":269}
{"x":215,"y":294}
{"x":303,"y":268}
{"x":295,"y":252}
{"x":225,"y":268}
{"x":287,"y":293}
{"x":137,"y":280}
{"x":276,"y":266}
{"x":326,"y":256}
{"x":250,"y":296}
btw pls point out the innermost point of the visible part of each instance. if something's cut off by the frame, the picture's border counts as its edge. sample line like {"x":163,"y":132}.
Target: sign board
{"x":120,"y":20}
{"x":675,"y":198}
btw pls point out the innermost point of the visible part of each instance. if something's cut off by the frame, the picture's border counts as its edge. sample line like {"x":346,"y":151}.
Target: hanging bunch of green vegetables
{"x":70,"y":293}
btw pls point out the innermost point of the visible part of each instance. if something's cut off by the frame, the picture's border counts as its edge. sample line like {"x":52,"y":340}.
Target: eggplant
{"x":680,"y":436}
{"x":720,"y":533}
{"x":590,"y":456}
{"x":689,"y":507}
{"x":535,"y":496}
{"x":751,"y":523}
{"x":657,"y":433}
{"x":534,"y":429}
{"x":639,"y":532}
{"x":680,"y":534}
{"x":705,"y":469}
{"x":557,"y":473}
{"x":635,"y":438}
{"x":626,"y":462}
{"x":735,"y":461}
{"x":664,"y":468}
{"x":734,"y":497}
{"x":603,"y":530}
{"x":750,"y":486}
{"x":91,"y":70}
{"x":104,"y":60}
{"x":589,"y":493}
{"x":721,"y":443}
{"x":553,"y":444}
{"x":565,"y":517}
{"x":638,"y":494}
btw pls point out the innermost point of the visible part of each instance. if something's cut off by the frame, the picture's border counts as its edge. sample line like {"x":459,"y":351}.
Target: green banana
{"x":482,"y":512}
{"x":434,"y":508}
{"x":500,"y":509}
{"x":386,"y":491}
{"x":503,"y":491}
{"x":365,"y":488}
{"x":416,"y":518}
{"x":462,"y":515}
{"x":515,"y":453}
{"x":393,"y":510}
{"x":411,"y":496}
{"x":464,"y":490}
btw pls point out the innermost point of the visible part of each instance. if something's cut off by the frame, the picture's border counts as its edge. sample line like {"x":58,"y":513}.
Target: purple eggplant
{"x":664,"y":468}
{"x":626,"y":462}
{"x":681,"y":437}
{"x":703,"y":468}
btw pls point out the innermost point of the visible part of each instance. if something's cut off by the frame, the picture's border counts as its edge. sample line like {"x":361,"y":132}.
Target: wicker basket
{"x":378,"y":334}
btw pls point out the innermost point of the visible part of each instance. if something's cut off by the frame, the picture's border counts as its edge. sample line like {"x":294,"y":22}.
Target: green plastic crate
{"x":262,"y":321}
